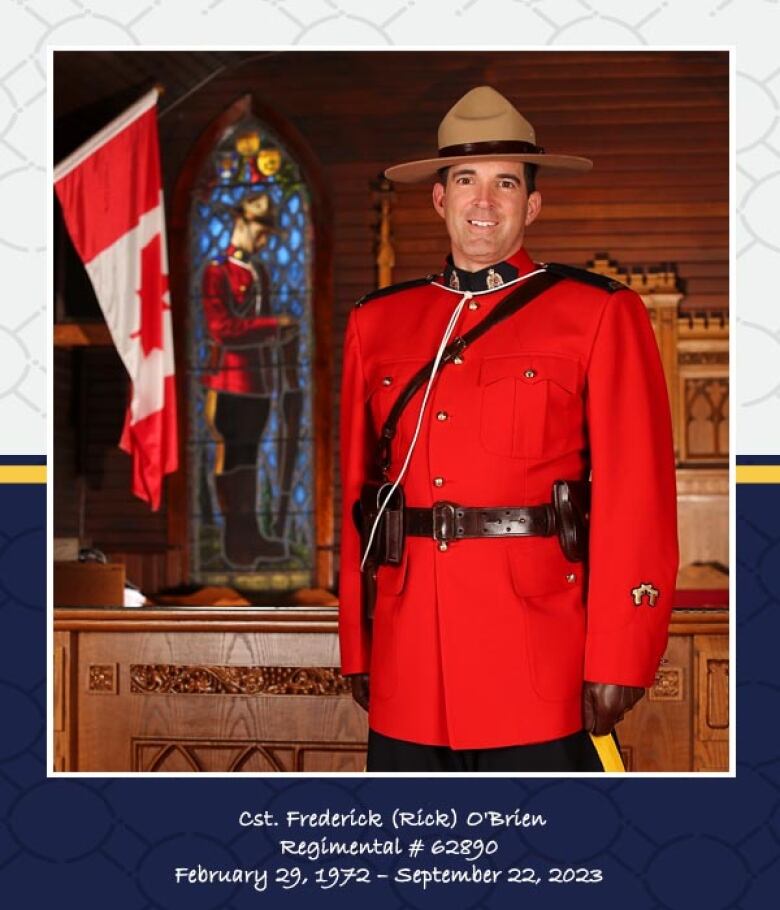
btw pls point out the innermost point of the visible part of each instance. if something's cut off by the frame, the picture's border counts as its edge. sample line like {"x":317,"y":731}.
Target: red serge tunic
{"x":241,"y":361}
{"x":487,"y":644}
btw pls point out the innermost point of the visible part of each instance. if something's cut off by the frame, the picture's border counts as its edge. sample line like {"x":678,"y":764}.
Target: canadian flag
{"x":111,"y":196}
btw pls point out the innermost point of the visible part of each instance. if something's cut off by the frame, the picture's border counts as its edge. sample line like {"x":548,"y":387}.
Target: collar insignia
{"x":493,"y":280}
{"x":489,"y":279}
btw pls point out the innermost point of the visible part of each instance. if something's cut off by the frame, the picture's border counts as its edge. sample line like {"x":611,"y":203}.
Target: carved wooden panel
{"x":244,"y":727}
{"x":234,"y":756}
{"x":706,"y":418}
{"x":658,"y":729}
{"x":711,"y":715}
{"x":713,"y":670}
{"x":170,"y":679}
{"x":668,"y":685}
{"x":717,"y":716}
{"x":103,"y":679}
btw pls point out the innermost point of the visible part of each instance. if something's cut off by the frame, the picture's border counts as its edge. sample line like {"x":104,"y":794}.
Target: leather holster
{"x":387,"y":546}
{"x":571,"y":504}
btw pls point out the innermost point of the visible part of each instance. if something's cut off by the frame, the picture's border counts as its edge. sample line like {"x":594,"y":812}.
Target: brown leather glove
{"x":360,"y":689}
{"x":604,"y":705}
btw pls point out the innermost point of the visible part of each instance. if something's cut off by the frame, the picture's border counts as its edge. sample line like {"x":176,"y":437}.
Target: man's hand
{"x":360,"y":689}
{"x":604,"y":705}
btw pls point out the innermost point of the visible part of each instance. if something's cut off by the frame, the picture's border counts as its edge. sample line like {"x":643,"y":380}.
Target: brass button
{"x":529,"y":374}
{"x":438,"y":481}
{"x":473,"y":305}
{"x":458,"y":360}
{"x":442,"y":415}
{"x":571,"y":578}
{"x":388,"y":380}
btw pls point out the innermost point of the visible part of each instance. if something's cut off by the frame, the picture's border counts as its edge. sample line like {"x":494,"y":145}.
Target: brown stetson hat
{"x":484,"y":125}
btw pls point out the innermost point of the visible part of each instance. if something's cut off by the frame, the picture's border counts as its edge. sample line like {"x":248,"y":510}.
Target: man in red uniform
{"x":252,"y":355}
{"x":491,"y":651}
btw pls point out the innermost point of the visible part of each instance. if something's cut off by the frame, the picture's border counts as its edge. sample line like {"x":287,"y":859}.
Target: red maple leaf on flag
{"x":154,"y":285}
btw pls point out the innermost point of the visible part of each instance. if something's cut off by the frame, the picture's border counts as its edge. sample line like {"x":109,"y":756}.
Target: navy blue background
{"x":662,"y":843}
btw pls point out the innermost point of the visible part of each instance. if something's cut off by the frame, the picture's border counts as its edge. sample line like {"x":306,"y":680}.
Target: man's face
{"x":255,"y":210}
{"x":486,"y":208}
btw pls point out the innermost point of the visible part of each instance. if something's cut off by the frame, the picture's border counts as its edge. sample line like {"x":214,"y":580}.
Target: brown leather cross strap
{"x":450,"y":521}
{"x":513,"y":302}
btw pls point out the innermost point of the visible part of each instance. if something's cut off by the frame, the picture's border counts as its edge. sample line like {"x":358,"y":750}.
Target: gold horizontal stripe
{"x":23,"y":473}
{"x":758,"y":473}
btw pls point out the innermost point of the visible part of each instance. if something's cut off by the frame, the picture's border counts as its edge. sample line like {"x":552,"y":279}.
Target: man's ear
{"x":534,"y":207}
{"x":438,"y":198}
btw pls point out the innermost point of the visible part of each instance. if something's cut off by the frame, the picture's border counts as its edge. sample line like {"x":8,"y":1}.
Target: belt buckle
{"x":443,"y":523}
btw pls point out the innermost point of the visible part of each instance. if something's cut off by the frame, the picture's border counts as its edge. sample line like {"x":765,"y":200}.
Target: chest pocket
{"x":384,"y":385}
{"x":531,"y":405}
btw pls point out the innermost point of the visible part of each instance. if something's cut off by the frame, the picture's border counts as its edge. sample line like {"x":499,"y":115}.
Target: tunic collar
{"x":490,"y":278}
{"x":238,"y":256}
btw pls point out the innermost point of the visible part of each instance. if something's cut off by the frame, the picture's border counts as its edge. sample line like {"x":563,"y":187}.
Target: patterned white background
{"x":28,"y":26}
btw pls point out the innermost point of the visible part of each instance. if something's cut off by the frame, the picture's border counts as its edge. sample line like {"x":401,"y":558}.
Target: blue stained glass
{"x":284,"y":445}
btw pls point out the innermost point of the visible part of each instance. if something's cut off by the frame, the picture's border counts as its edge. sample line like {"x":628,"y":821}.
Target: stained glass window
{"x":250,"y":442}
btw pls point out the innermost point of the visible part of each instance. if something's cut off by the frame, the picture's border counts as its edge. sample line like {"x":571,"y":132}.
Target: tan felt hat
{"x":484,"y":125}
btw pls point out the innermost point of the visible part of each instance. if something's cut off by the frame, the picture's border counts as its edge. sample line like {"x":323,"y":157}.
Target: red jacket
{"x":488,"y":643}
{"x":241,"y":358}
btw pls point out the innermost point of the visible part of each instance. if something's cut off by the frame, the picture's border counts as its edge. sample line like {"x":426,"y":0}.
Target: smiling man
{"x":486,"y":207}
{"x":507,"y":457}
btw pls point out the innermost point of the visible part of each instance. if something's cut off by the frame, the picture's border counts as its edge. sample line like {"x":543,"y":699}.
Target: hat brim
{"x":417,"y":171}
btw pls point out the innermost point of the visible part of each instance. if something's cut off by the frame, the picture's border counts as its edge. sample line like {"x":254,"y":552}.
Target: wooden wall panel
{"x":656,"y":124}
{"x":256,"y":690}
{"x":122,"y":728}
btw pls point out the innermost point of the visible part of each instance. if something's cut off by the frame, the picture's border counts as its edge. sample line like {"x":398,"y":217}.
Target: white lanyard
{"x":467,"y":295}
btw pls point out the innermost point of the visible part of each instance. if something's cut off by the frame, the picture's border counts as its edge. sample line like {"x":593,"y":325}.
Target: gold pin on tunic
{"x":645,"y":589}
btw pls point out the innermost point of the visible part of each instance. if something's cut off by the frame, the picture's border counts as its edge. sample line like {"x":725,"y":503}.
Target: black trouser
{"x":570,"y":753}
{"x":240,"y":421}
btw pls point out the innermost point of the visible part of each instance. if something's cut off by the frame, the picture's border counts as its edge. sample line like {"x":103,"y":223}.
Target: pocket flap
{"x":532,"y":368}
{"x":541,"y":568}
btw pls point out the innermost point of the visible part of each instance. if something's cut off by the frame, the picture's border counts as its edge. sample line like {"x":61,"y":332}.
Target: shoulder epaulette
{"x":586,"y":277}
{"x":393,"y":288}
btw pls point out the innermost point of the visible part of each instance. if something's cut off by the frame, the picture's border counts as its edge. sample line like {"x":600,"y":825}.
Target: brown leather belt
{"x":450,"y":521}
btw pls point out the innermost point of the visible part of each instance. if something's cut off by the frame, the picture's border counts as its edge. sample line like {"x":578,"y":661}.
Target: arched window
{"x":250,"y":345}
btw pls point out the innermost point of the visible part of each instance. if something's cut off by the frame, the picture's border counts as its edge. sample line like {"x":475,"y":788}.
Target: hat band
{"x":508,"y":146}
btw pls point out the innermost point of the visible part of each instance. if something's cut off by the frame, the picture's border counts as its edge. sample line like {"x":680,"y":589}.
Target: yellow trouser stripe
{"x":608,"y":752}
{"x":210,"y":414}
{"x":23,"y":473}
